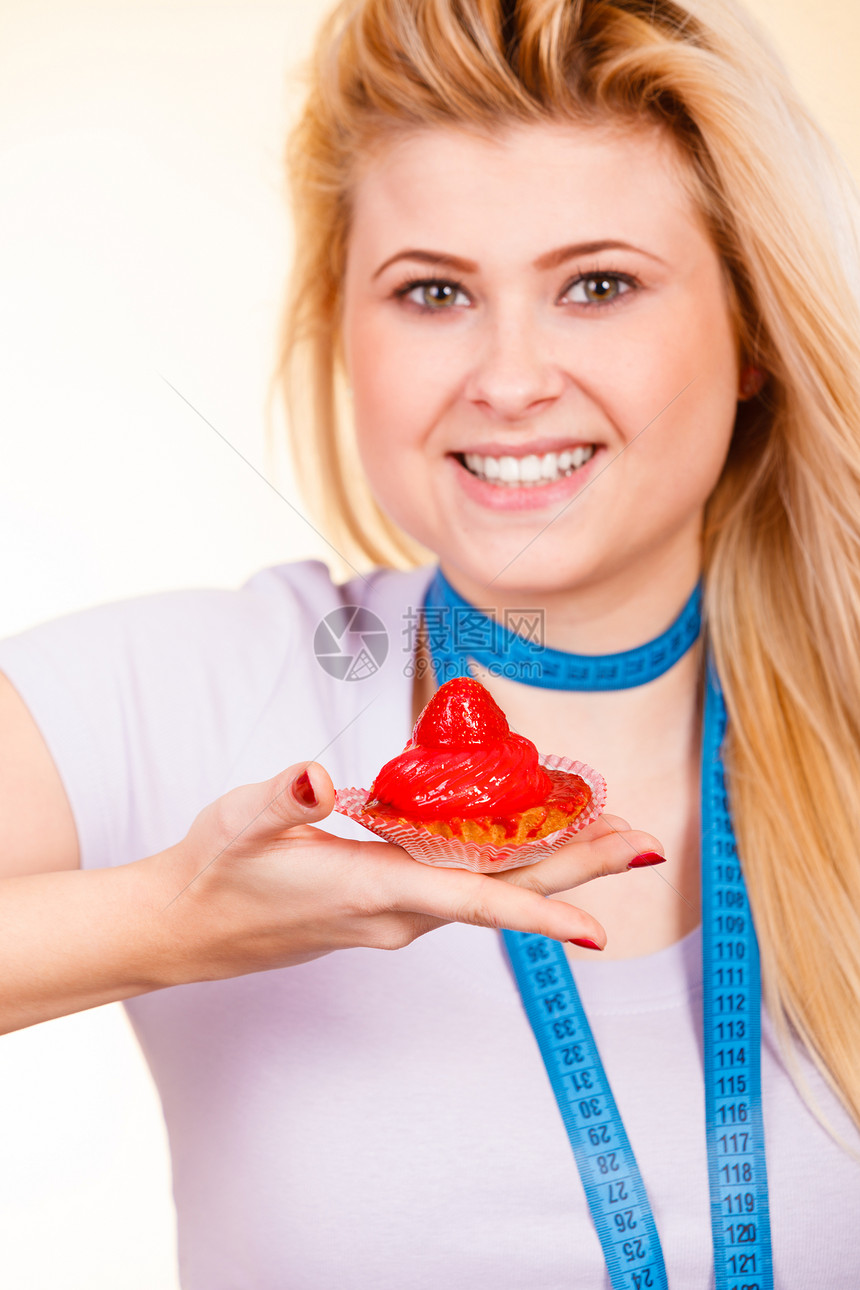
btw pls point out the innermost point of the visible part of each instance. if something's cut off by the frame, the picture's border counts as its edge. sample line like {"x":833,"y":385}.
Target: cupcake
{"x":469,"y":792}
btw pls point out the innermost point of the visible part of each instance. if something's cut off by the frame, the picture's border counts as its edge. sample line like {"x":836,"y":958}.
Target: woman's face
{"x":542,"y":360}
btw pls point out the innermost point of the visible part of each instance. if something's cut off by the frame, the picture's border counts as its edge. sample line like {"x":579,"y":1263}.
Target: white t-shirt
{"x":376,"y":1120}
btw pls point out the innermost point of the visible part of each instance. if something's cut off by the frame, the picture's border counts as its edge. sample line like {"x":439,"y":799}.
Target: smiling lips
{"x":529,"y":471}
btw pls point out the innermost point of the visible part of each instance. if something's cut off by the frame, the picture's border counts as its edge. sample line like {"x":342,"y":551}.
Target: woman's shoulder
{"x":209,"y":660}
{"x":309,"y":588}
{"x":265,"y":613}
{"x":368,"y":616}
{"x":219,"y":649}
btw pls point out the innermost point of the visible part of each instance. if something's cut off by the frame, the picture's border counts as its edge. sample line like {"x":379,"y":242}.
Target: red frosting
{"x":463,"y":760}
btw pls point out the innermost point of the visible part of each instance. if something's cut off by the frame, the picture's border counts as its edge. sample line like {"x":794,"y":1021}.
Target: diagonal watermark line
{"x":293,"y":508}
{"x":655,"y":868}
{"x":263,"y":809}
{"x":577,"y":496}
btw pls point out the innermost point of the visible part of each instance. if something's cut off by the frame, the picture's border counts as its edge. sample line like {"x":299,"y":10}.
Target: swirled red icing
{"x":463,"y":760}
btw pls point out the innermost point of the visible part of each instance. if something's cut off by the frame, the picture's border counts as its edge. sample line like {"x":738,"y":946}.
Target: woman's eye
{"x":597,"y":288}
{"x":436,"y":296}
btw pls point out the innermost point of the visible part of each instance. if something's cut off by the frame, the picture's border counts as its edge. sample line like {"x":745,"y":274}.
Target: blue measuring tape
{"x":607,"y":1166}
{"x":614,"y":1189}
{"x":457,"y":630}
{"x":737,"y":1171}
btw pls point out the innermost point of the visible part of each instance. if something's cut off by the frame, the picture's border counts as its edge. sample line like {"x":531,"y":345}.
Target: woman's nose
{"x":513,"y":372}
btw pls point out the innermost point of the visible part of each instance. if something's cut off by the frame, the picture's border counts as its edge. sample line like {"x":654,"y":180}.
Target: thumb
{"x":301,"y":794}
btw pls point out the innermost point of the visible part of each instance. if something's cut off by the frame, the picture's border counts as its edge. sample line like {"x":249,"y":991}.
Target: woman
{"x":603,"y":238}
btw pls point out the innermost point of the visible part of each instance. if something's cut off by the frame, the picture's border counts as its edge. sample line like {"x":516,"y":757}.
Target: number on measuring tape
{"x":610,"y":1175}
{"x":740,"y":1220}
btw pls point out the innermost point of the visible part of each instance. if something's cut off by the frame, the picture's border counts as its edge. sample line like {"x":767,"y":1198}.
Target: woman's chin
{"x":543,"y":543}
{"x":498,"y":563}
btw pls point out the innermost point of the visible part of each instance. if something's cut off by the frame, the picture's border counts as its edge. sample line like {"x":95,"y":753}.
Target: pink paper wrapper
{"x":451,"y":853}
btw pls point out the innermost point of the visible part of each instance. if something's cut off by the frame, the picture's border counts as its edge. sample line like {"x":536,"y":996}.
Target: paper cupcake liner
{"x":452,"y":853}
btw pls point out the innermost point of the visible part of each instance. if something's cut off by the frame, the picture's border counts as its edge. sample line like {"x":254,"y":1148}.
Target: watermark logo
{"x":463,"y":628}
{"x":351,"y":643}
{"x":465,"y":631}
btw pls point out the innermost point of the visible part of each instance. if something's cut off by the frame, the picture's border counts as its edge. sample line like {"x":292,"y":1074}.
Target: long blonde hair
{"x":781,"y":561}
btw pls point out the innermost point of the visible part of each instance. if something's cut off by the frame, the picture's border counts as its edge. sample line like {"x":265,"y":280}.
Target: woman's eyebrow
{"x":553,"y":259}
{"x":550,"y":260}
{"x":437,"y":258}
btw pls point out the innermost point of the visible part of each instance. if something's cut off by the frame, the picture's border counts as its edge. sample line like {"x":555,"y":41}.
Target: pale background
{"x":143,"y":235}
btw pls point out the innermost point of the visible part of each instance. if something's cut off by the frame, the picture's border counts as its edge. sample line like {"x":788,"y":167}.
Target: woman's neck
{"x":599,"y":615}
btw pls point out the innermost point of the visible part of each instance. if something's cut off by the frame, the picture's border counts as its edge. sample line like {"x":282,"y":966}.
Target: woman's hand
{"x":252,"y":886}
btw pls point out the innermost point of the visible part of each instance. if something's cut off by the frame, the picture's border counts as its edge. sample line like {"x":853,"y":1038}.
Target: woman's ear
{"x":751,"y":381}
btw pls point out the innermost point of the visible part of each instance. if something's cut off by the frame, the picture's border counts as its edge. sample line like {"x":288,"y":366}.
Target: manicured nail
{"x":303,"y":790}
{"x":585,"y":943}
{"x":646,"y":857}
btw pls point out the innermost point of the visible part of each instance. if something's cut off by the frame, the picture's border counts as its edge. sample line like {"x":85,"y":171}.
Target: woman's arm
{"x":70,"y":941}
{"x":250,"y":888}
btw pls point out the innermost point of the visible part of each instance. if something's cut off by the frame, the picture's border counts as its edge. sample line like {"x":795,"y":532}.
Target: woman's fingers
{"x":607,"y":846}
{"x":603,"y":824}
{"x":515,"y":899}
{"x":456,"y":895}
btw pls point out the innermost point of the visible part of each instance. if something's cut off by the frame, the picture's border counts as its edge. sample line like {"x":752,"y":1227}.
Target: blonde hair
{"x":781,"y":566}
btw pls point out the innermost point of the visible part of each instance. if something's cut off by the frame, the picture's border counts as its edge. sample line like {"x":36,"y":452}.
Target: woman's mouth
{"x":532,"y":471}
{"x":502,"y":482}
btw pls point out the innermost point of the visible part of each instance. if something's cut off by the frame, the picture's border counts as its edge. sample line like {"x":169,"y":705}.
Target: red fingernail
{"x":646,"y":857}
{"x":585,"y":943}
{"x":303,"y":790}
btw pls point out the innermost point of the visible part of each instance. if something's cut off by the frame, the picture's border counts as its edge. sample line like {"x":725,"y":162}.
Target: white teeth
{"x":549,"y":465}
{"x":530,"y":470}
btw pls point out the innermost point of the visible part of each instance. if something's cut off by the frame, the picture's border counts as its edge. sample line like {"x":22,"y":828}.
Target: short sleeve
{"x":144,"y":703}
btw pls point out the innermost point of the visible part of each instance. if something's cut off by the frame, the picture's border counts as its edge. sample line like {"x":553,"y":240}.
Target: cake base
{"x":491,"y":844}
